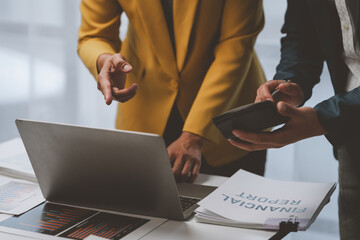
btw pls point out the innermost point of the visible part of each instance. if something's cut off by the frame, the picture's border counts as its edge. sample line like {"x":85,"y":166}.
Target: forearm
{"x":301,"y":59}
{"x":340,"y":116}
{"x":234,"y":66}
{"x":99,"y":31}
{"x":221,"y":91}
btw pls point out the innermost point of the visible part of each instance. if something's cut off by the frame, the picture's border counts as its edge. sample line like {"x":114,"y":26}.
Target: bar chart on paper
{"x":14,"y":193}
{"x":73,"y":223}
{"x":18,"y":197}
{"x":108,"y":226}
{"x":48,"y":219}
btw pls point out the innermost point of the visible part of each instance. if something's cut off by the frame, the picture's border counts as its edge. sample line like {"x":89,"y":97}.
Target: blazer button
{"x":174,"y":83}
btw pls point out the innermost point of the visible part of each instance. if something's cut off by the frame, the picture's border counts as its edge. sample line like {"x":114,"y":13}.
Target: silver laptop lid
{"x":108,"y":169}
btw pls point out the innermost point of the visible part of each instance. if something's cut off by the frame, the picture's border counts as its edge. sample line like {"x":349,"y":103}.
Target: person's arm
{"x":241,"y":22}
{"x":301,"y":62}
{"x":301,"y":57}
{"x":337,"y":117}
{"x":340,"y":117}
{"x":98,"y":47}
{"x":303,"y":123}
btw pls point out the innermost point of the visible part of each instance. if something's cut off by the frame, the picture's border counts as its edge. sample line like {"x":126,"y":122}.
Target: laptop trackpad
{"x":194,"y":190}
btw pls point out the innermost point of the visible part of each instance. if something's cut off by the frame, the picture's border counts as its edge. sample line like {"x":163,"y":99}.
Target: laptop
{"x":115,"y":170}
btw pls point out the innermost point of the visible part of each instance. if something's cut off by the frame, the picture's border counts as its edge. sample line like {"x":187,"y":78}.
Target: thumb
{"x":286,"y":109}
{"x":120,"y":63}
{"x":126,"y":67}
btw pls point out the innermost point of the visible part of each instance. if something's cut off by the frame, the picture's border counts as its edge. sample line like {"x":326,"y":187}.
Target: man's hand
{"x":112,"y":77}
{"x":288,"y":92}
{"x":185,"y":155}
{"x":303,"y":123}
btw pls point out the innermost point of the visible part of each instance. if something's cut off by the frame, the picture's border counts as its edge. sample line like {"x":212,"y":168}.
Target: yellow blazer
{"x":215,"y":67}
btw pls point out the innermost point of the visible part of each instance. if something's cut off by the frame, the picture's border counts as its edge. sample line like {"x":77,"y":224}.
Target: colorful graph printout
{"x":48,"y":218}
{"x":109,"y":226}
{"x":74,"y":223}
{"x":15,"y":194}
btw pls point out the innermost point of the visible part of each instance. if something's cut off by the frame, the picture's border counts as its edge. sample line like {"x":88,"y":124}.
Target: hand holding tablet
{"x":253,"y":117}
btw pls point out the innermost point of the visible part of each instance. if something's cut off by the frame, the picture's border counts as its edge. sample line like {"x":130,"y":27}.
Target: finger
{"x":186,"y":171}
{"x":118,"y":79}
{"x":195,"y":171}
{"x":284,"y":98}
{"x":172,"y":156}
{"x":104,"y":86}
{"x":287,"y":110}
{"x":292,"y":89}
{"x":123,"y":98}
{"x":172,"y":160}
{"x":126,"y":94}
{"x":121,"y":64}
{"x":252,"y":147}
{"x":265,"y":91}
{"x":260,"y":138}
{"x":171,"y":153}
{"x":178,"y":165}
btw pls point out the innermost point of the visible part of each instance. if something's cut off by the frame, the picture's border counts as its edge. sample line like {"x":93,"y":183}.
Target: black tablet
{"x":253,"y":117}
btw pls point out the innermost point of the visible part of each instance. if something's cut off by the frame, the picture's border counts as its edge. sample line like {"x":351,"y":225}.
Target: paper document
{"x":54,"y":221}
{"x":19,"y":197}
{"x":14,"y":161}
{"x":251,"y":201}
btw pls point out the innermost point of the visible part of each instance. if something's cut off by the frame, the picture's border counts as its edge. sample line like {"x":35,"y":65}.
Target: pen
{"x":273,"y":94}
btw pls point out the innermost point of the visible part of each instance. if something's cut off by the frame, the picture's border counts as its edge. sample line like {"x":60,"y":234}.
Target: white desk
{"x":176,"y":230}
{"x":191,"y":229}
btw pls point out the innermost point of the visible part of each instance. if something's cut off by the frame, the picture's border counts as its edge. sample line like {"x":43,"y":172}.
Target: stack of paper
{"x":250,"y":201}
{"x":14,"y":161}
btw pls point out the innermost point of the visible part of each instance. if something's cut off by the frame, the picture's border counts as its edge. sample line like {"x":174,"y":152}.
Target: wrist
{"x":318,"y":126}
{"x":101,"y":60}
{"x":193,"y":140}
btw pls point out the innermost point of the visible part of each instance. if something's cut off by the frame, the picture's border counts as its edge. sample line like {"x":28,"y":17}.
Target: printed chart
{"x":73,"y":223}
{"x":18,"y":197}
{"x":48,"y":218}
{"x":105,"y":225}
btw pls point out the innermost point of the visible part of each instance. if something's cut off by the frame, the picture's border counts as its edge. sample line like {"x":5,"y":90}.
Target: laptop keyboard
{"x":187,"y":202}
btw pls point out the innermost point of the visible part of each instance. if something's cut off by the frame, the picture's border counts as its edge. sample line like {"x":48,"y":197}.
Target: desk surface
{"x":171,"y":229}
{"x":200,"y":231}
{"x":189,"y":229}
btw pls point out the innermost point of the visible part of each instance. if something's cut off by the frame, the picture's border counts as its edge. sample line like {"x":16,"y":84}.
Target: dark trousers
{"x":349,"y":194}
{"x":252,"y":162}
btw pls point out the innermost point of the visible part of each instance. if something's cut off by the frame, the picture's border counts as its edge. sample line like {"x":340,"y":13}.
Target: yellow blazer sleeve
{"x":99,"y":31}
{"x":241,"y":23}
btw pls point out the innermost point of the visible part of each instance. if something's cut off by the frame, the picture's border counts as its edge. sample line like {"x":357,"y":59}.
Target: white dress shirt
{"x":351,"y":53}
